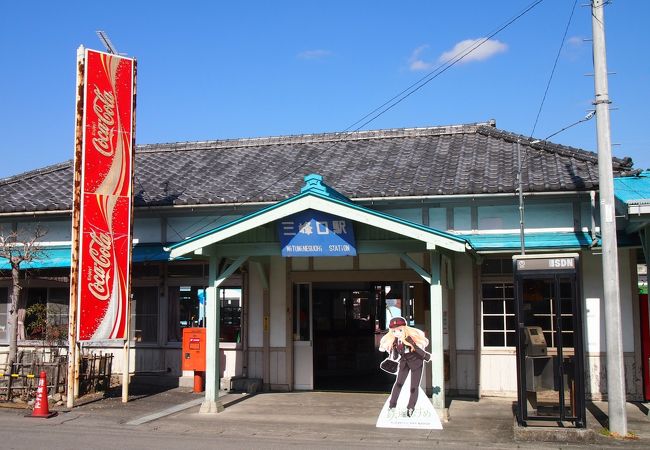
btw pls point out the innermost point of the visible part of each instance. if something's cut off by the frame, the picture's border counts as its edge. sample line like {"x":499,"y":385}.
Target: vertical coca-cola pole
{"x":76,"y":217}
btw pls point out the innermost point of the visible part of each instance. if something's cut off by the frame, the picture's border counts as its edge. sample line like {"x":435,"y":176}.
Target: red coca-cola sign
{"x":106,"y":179}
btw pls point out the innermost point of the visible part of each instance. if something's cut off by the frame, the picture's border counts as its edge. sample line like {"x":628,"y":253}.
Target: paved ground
{"x":279,"y":420}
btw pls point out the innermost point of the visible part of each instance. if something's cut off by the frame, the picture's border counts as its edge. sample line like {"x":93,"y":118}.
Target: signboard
{"x":315,"y":233}
{"x":553,"y":263}
{"x":105,"y":199}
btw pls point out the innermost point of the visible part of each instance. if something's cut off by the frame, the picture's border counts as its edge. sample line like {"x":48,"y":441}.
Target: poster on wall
{"x":407,"y":406}
{"x":104,"y":252}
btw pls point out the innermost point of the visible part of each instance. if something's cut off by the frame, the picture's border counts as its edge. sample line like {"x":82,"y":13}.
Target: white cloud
{"x":575,"y":41}
{"x":416,"y":62}
{"x":486,"y":50}
{"x":314,"y":54}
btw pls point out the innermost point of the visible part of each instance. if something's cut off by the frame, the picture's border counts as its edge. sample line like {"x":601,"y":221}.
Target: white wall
{"x":592,"y":289}
{"x":379,"y":261}
{"x":255,"y":310}
{"x":57,"y":231}
{"x":464,"y":302}
{"x":334,"y":263}
{"x":179,"y":228}
{"x":410,"y":214}
{"x":147,"y":230}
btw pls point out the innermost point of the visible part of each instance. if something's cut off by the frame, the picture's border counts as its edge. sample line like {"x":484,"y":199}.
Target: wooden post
{"x":76,"y":218}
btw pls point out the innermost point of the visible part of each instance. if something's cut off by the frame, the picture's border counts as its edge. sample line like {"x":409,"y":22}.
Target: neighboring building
{"x":424,"y":201}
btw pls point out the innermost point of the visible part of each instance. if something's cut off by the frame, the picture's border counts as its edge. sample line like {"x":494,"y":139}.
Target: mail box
{"x":193,"y":349}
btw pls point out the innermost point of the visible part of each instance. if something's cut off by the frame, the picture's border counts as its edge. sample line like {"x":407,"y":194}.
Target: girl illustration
{"x":405,"y":344}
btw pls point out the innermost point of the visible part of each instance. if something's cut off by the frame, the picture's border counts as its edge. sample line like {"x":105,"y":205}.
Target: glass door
{"x":549,"y":367}
{"x":303,"y":353}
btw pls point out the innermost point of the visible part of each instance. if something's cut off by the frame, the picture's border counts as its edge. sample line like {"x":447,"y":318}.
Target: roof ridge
{"x":548,"y":146}
{"x":36,"y":172}
{"x":313,"y":138}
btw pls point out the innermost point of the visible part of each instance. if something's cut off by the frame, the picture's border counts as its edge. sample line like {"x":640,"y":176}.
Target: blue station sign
{"x":315,"y":233}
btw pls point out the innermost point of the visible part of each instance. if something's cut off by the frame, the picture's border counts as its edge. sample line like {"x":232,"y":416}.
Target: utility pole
{"x":521,"y":200}
{"x":614,"y":340}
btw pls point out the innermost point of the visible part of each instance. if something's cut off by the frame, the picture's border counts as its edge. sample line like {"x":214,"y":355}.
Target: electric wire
{"x":389,"y":104}
{"x":557,"y":57}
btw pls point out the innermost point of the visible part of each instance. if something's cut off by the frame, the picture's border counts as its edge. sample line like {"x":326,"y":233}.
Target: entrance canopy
{"x":316,"y":195}
{"x":255,"y":235}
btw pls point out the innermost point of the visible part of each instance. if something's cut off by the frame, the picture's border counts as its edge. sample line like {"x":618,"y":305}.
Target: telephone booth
{"x":550,"y":350}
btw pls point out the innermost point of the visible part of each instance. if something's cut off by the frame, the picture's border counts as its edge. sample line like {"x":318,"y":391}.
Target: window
{"x":498,"y":313}
{"x":45,"y":316}
{"x":231,"y":300}
{"x":539,"y":309}
{"x":187,"y":310}
{"x":4,"y":310}
{"x":146,"y":314}
{"x":302,"y":313}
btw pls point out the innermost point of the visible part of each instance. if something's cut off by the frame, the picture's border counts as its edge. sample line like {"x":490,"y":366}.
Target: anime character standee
{"x":407,"y":344}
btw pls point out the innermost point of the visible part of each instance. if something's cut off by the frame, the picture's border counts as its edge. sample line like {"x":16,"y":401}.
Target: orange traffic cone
{"x":41,"y":406}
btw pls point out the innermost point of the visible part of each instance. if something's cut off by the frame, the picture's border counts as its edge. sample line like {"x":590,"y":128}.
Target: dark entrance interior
{"x":349,"y":319}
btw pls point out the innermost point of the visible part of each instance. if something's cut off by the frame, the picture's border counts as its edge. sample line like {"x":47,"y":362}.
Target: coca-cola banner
{"x":106,"y":178}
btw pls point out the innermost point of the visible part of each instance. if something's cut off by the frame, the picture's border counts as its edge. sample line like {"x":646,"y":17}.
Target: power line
{"x":557,"y":57}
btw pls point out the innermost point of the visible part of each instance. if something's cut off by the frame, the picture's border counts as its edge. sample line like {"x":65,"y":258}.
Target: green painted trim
{"x":341,"y":201}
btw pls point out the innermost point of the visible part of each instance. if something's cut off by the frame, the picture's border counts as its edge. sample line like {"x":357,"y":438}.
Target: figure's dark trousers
{"x":416,"y":376}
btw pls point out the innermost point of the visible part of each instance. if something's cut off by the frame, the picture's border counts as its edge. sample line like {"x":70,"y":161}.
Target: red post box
{"x":194,"y":344}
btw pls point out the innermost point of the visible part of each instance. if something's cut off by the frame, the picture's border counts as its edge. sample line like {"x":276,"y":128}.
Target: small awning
{"x":543,"y":241}
{"x":59,"y":257}
{"x":533,"y":241}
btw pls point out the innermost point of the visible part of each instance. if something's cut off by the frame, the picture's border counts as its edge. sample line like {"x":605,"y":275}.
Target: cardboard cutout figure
{"x":407,"y":406}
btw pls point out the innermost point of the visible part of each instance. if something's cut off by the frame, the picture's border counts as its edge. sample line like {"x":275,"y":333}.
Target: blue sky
{"x":218,"y":70}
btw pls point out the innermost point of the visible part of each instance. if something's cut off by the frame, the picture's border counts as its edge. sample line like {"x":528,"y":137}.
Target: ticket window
{"x":549,"y":340}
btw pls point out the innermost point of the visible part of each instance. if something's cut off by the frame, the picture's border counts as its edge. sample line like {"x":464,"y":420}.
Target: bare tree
{"x":18,"y":248}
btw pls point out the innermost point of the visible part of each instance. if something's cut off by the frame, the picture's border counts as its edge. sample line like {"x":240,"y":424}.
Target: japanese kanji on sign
{"x":314,"y":233}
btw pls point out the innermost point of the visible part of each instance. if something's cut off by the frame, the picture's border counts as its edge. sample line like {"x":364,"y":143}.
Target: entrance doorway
{"x":349,"y":319}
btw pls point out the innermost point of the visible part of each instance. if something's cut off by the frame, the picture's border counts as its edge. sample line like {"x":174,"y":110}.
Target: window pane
{"x":510,"y":306}
{"x":231,"y":300}
{"x":511,"y":323}
{"x":491,"y":290}
{"x":462,"y":218}
{"x":540,"y":321}
{"x":567,"y":323}
{"x":493,"y":339}
{"x":493,"y":307}
{"x":567,"y":340}
{"x":492,"y":323}
{"x":57,"y":309}
{"x":565,"y":289}
{"x":567,"y":306}
{"x":511,"y":339}
{"x":36,"y":313}
{"x":301,"y":312}
{"x":146,"y":313}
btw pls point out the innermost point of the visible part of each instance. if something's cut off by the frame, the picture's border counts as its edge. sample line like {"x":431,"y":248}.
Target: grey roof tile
{"x":463,"y":159}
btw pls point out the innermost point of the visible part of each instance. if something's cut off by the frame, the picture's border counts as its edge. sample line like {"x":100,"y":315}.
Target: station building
{"x":435,"y":217}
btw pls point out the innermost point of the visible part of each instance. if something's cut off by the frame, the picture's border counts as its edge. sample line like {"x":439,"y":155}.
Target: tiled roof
{"x":462,"y":159}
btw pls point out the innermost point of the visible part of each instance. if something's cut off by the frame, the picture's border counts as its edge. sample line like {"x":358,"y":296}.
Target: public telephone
{"x":550,"y":381}
{"x":535,"y":342}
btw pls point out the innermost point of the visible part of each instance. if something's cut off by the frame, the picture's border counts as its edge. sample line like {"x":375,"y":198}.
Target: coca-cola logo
{"x":99,"y":276}
{"x":104,"y":108}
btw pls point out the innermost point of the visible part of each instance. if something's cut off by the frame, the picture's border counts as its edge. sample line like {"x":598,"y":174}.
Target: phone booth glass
{"x":549,"y":340}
